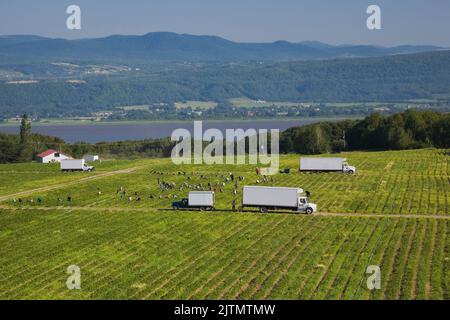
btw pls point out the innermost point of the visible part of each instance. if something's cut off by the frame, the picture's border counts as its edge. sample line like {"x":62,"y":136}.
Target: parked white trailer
{"x":75,"y":165}
{"x":202,"y":200}
{"x":326,"y":164}
{"x":273,"y":198}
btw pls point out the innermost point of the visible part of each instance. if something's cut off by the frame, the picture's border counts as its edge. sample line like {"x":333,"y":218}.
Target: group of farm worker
{"x":217,"y":186}
{"x":39,"y":200}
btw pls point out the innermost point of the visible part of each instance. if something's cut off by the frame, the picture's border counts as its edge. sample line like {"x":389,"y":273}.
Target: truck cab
{"x":182,"y":204}
{"x":88,"y":168}
{"x":305,"y":206}
{"x":348,"y":169}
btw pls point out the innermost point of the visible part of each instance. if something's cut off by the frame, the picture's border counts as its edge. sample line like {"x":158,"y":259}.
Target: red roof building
{"x":51,"y":155}
{"x":46,"y":153}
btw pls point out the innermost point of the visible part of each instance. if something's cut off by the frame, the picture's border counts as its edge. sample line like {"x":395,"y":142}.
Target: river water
{"x":93,"y":133}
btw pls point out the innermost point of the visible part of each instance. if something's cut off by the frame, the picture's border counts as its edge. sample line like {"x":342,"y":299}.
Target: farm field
{"x":406,"y":182}
{"x":196,"y":105}
{"x":169,"y":255}
{"x":249,"y":103}
{"x":22,"y":177}
{"x":393,"y":214}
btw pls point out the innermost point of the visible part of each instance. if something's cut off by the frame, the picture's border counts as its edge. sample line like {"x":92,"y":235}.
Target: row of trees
{"x":26,"y":145}
{"x":408,"y":130}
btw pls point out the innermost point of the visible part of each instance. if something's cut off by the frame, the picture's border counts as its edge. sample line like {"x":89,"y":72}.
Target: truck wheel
{"x":351,"y":172}
{"x":309,"y":210}
{"x":263,"y":209}
{"x":175,"y":208}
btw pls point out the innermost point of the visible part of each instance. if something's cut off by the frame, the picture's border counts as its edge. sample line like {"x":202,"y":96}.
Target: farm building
{"x":50,"y":156}
{"x":91,"y":158}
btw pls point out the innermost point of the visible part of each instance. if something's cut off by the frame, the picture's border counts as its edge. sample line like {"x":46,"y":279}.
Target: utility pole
{"x":343,"y":137}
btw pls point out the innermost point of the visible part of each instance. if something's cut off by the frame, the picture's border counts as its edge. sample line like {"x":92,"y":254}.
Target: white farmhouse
{"x":50,"y":156}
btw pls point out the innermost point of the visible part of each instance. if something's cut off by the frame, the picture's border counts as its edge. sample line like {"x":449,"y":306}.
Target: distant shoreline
{"x":68,"y":122}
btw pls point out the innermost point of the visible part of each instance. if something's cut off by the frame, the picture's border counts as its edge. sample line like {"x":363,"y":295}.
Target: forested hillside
{"x":392,"y":78}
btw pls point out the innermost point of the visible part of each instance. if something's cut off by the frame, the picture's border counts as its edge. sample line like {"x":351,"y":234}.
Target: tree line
{"x":408,"y":130}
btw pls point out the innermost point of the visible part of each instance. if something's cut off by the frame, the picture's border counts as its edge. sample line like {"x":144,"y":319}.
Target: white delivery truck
{"x":75,"y":165}
{"x":273,"y":198}
{"x":201,"y":200}
{"x":326,"y":164}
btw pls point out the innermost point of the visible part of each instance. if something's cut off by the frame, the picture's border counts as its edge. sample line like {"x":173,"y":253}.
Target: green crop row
{"x":163,"y":255}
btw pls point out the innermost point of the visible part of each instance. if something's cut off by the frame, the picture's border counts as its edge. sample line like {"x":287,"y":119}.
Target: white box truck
{"x":75,"y":165}
{"x":276,"y":198}
{"x":326,"y":164}
{"x":201,"y":200}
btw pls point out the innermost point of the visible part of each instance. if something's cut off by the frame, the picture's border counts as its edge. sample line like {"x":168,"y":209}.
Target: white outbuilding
{"x":91,"y":158}
{"x":51,"y":156}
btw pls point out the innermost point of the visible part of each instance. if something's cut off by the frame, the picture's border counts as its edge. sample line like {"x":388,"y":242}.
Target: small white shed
{"x":91,"y":158}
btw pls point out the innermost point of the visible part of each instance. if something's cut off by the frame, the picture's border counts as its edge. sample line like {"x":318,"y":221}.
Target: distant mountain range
{"x":160,"y":47}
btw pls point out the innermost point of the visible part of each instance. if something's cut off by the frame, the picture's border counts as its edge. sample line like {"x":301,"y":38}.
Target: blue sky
{"x":331,"y":21}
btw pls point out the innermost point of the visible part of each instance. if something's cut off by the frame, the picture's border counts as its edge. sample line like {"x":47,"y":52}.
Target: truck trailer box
{"x":322,"y":164}
{"x":271,"y":196}
{"x":201,"y":199}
